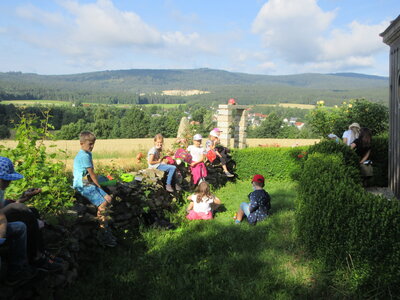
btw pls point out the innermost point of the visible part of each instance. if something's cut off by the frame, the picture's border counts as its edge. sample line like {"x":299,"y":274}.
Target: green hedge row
{"x":273,"y":163}
{"x":346,"y":227}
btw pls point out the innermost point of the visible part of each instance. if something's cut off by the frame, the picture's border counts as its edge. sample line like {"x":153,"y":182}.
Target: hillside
{"x":146,"y":86}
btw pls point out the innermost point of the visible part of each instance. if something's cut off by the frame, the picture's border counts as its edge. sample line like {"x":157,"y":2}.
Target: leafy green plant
{"x":325,"y":120}
{"x":40,"y":169}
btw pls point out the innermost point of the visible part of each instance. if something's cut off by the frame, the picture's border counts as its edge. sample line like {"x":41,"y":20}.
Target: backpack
{"x":183,"y":155}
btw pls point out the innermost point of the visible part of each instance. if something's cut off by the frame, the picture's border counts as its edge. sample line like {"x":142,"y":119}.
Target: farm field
{"x":291,"y":105}
{"x":122,"y":152}
{"x":61,"y":103}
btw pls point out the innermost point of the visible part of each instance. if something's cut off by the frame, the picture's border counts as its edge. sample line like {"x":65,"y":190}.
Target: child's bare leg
{"x":225,"y":168}
{"x":239,"y":215}
{"x":102,"y":211}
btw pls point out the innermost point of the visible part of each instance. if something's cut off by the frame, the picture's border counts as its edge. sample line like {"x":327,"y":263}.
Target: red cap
{"x":258,"y":178}
{"x":232,"y":101}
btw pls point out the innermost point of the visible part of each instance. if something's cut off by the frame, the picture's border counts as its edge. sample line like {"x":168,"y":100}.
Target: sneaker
{"x":48,"y":265}
{"x":106,"y":238}
{"x":229,"y":174}
{"x":235,"y":216}
{"x":169,"y":188}
{"x":21,"y":277}
{"x":178,"y":187}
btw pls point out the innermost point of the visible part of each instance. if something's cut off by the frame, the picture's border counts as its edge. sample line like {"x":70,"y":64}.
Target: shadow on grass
{"x":203,"y":261}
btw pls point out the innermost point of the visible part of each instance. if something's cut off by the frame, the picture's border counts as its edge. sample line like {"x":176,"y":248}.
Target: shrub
{"x":273,"y":163}
{"x":339,"y":222}
{"x":325,"y":120}
{"x":379,"y":157}
{"x":40,"y":170}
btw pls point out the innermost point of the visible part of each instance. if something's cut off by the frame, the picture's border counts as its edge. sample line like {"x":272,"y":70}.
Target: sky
{"x":274,"y":37}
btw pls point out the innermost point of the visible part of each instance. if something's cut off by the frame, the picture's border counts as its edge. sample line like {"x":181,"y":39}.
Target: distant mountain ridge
{"x":300,"y":88}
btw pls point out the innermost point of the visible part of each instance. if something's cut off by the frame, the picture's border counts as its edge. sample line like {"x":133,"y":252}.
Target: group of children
{"x":20,"y":225}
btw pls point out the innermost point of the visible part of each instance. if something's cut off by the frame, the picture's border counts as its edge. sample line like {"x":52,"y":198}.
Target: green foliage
{"x":336,"y":120}
{"x":40,"y":170}
{"x":379,"y":156}
{"x":273,"y":163}
{"x":338,"y":221}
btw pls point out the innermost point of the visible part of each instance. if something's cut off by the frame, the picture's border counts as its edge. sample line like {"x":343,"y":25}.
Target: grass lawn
{"x":214,"y":259}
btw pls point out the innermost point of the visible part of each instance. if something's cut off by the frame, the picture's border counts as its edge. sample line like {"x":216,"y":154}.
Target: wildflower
{"x":350,"y":105}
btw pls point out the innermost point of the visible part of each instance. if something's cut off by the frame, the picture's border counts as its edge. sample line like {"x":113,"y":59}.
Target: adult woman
{"x":351,"y":134}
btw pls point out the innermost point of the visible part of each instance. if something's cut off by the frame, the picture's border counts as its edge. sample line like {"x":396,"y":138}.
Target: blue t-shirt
{"x":260,"y":204}
{"x":83,"y":161}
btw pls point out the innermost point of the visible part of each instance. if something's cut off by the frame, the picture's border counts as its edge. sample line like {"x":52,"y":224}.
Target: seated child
{"x":197,"y":166}
{"x":83,"y":166}
{"x":17,"y":211}
{"x":211,"y":145}
{"x":260,"y":203}
{"x":154,"y":160}
{"x":201,"y":202}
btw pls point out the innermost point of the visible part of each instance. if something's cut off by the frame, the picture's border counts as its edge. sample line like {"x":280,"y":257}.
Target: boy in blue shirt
{"x":90,"y":189}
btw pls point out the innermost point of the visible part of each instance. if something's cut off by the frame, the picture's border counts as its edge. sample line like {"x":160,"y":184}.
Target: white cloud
{"x":92,"y":32}
{"x":290,"y":28}
{"x":298,"y":32}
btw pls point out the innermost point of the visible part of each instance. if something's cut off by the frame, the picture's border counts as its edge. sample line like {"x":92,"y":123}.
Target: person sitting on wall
{"x":197,"y":166}
{"x":218,"y":153}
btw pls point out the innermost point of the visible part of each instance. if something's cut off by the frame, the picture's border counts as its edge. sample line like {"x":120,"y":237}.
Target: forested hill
{"x":145,"y":86}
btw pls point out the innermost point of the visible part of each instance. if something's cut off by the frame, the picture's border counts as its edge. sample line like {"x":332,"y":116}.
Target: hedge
{"x":273,"y":163}
{"x":346,"y":227}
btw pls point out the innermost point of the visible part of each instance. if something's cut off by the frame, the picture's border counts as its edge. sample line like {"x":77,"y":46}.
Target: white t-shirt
{"x":195,"y":152}
{"x":202,"y":206}
{"x":350,"y":136}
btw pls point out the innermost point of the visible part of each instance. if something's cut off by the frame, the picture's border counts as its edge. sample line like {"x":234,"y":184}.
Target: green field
{"x":58,"y":102}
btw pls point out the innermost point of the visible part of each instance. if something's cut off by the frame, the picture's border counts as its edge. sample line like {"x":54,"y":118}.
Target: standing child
{"x":154,"y":160}
{"x":197,"y":166}
{"x":200,"y":207}
{"x":260,"y":203}
{"x":90,"y":189}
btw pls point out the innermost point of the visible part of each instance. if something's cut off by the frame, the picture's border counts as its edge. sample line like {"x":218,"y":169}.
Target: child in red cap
{"x":260,"y":203}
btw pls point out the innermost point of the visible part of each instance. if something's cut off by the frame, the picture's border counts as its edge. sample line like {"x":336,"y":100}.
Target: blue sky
{"x":252,"y":36}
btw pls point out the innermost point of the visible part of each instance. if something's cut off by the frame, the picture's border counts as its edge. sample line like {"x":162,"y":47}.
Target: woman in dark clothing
{"x":362,"y":146}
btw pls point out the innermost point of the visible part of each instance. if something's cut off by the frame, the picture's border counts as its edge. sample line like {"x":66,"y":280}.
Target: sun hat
{"x":258,"y":178}
{"x":354,"y":125}
{"x":7,"y":171}
{"x":216,"y":129}
{"x":197,"y":137}
{"x":213,"y":133}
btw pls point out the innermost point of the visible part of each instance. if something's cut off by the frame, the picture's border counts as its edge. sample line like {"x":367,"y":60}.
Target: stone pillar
{"x":242,"y":129}
{"x":223,"y":123}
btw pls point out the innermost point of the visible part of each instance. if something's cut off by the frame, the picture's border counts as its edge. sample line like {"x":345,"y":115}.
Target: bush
{"x":379,"y":157}
{"x":345,"y":226}
{"x":325,"y":120}
{"x":4,"y":132}
{"x":273,"y":163}
{"x":40,"y":170}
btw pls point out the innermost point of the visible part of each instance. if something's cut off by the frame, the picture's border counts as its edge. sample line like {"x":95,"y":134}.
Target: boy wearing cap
{"x":260,"y":203}
{"x":197,"y":166}
{"x":13,"y":233}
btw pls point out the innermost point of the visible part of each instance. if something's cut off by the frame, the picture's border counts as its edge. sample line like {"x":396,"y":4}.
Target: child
{"x":154,"y":160}
{"x":197,"y":166}
{"x":260,"y":203}
{"x":17,"y":211}
{"x":211,"y":145}
{"x":83,"y":166}
{"x":200,"y":207}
